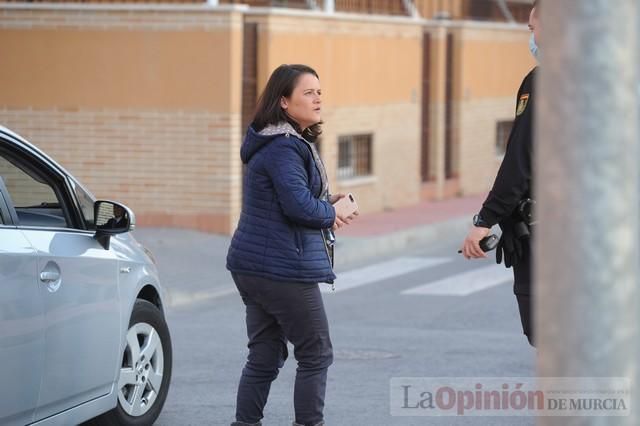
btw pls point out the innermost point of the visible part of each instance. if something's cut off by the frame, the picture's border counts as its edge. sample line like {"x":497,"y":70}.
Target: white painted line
{"x":383,"y":271}
{"x":181,"y":298}
{"x":465,"y":283}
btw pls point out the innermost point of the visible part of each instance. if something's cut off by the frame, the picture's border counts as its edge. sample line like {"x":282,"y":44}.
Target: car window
{"x":86,"y":201}
{"x":34,"y":199}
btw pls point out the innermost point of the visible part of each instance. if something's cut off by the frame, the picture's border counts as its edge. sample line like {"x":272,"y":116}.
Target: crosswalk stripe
{"x":465,"y":283}
{"x":181,"y":299}
{"x":382,"y":271}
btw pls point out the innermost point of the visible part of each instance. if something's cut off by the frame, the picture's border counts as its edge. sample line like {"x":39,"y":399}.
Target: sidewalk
{"x":383,"y":233}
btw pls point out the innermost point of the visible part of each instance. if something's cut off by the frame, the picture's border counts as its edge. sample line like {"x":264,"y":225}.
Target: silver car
{"x":82,"y":325}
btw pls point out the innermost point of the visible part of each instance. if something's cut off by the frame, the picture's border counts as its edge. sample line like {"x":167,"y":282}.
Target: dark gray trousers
{"x":277,"y":312}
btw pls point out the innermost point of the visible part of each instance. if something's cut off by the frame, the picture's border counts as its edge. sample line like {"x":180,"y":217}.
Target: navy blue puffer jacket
{"x":279,"y":233}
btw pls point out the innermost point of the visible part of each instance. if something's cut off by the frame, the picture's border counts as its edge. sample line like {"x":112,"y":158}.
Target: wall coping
{"x":408,"y":20}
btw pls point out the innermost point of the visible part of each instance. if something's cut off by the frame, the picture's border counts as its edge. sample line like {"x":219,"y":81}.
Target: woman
{"x":278,"y":253}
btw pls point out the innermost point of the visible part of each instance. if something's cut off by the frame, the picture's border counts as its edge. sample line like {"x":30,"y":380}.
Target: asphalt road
{"x":424,"y":312}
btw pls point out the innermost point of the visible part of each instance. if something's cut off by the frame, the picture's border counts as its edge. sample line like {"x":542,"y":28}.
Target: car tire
{"x":144,"y":367}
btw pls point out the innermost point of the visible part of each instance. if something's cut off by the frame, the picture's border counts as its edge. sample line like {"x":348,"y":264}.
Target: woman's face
{"x":304,"y":103}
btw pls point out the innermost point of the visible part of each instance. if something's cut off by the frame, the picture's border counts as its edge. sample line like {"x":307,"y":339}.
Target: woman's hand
{"x":341,"y":220}
{"x":335,"y":197}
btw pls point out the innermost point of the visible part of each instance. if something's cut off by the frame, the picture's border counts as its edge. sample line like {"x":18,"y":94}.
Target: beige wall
{"x":396,"y":167}
{"x":89,"y":68}
{"x":491,"y":64}
{"x":429,"y":8}
{"x":141,"y":104}
{"x":370,"y":74}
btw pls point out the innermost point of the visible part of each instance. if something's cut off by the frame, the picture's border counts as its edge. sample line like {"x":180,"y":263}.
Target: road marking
{"x":181,"y":298}
{"x":383,"y":271}
{"x":465,"y":283}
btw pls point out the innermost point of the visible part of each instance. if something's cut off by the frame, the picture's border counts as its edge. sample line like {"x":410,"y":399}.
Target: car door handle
{"x":49,"y":276}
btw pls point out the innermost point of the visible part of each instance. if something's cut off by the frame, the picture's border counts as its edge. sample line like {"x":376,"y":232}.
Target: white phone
{"x":346,"y":206}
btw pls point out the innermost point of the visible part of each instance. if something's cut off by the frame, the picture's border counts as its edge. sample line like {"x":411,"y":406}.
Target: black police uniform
{"x":513,"y":184}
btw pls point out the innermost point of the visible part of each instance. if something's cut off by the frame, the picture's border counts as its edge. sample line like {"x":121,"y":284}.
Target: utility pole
{"x":587,"y":189}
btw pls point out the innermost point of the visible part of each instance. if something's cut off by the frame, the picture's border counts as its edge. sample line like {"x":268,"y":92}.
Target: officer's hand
{"x":509,"y":249}
{"x":471,"y":248}
{"x":500,"y":251}
{"x":504,"y":250}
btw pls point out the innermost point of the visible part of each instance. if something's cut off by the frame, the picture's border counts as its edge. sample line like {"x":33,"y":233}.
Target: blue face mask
{"x":533,"y":47}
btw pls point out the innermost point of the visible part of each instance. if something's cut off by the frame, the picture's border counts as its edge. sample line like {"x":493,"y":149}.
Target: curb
{"x":356,"y":249}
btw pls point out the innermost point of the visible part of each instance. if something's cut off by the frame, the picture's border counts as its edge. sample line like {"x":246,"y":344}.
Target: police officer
{"x":512,"y":186}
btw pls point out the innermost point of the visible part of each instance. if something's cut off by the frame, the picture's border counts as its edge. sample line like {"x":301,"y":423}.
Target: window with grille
{"x":354,"y":156}
{"x":503,"y":129}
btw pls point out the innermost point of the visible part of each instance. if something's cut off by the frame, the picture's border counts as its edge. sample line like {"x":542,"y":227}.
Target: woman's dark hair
{"x":281,"y":83}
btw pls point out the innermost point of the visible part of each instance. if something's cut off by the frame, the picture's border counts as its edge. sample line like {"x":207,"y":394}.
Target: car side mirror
{"x":111,"y":218}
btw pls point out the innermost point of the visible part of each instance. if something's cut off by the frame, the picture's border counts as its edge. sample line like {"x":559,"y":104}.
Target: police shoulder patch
{"x":522,"y":104}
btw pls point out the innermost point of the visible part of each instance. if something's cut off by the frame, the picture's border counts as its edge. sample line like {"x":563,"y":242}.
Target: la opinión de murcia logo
{"x":510,"y":396}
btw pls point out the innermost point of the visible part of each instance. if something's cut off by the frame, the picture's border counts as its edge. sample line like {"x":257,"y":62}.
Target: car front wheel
{"x":145,"y":372}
